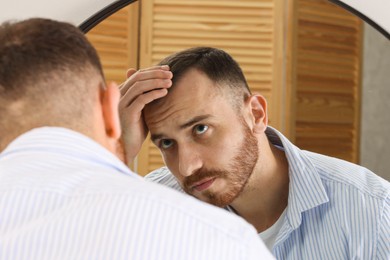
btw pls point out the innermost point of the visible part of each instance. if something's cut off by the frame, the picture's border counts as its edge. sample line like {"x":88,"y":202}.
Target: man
{"x":63,"y":193}
{"x":217,"y":146}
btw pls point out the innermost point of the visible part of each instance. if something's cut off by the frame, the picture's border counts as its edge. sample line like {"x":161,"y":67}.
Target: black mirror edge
{"x":112,"y":8}
{"x":103,"y":14}
{"x":363,"y":17}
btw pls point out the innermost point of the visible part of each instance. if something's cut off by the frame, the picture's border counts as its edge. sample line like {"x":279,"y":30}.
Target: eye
{"x":200,"y":129}
{"x":166,"y":143}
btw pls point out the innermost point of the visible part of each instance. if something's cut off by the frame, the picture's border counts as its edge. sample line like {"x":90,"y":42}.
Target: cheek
{"x":173,"y":165}
{"x":225,"y":147}
{"x":220,"y":153}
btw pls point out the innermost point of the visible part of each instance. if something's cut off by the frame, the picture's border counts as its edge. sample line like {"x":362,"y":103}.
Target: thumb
{"x":130,"y":72}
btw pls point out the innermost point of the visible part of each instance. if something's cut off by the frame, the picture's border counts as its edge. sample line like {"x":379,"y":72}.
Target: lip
{"x":203,"y":184}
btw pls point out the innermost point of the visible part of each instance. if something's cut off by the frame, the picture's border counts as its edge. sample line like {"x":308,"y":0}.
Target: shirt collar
{"x":67,"y":143}
{"x":306,"y":189}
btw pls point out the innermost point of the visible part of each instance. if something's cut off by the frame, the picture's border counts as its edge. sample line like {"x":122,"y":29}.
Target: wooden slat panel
{"x":322,"y":138}
{"x":155,"y":159}
{"x":211,"y":27}
{"x":320,"y":85}
{"x":114,"y":40}
{"x":324,"y":108}
{"x":220,"y":4}
{"x":328,"y":80}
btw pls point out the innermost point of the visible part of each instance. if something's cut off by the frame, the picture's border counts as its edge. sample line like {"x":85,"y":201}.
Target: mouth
{"x":203,"y":184}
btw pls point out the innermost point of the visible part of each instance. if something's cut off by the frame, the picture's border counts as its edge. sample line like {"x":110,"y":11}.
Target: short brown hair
{"x":47,"y":72}
{"x":217,"y":64}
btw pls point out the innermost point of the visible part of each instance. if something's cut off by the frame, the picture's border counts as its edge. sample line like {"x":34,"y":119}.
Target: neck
{"x":265,"y":196}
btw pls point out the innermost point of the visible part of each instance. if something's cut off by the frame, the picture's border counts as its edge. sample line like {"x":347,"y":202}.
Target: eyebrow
{"x":194,"y":121}
{"x":191,"y":122}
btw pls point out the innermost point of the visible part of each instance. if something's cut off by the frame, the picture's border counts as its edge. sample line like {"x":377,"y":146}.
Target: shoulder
{"x":356,"y":209}
{"x":335,"y":171}
{"x":138,"y":214}
{"x":162,"y":210}
{"x":165,"y":177}
{"x":157,"y":200}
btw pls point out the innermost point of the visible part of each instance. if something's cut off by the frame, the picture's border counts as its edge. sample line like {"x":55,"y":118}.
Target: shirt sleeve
{"x":384,"y":232}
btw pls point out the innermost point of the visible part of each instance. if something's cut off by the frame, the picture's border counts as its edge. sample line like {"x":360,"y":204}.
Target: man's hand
{"x":140,"y":88}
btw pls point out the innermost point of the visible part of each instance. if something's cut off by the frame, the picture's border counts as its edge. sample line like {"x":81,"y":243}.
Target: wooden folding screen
{"x":328,"y":80}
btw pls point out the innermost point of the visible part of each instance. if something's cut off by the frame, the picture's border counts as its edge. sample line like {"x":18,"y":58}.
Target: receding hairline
{"x":218,"y":65}
{"x":237,"y":96}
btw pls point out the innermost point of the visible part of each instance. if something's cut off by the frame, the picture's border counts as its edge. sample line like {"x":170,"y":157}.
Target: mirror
{"x":375,"y":13}
{"x":368,"y":68}
{"x":369,"y":138}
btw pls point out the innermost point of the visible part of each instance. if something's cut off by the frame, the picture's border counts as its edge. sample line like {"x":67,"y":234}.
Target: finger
{"x":146,"y":75}
{"x":150,"y":74}
{"x":158,"y":67}
{"x":138,"y":105}
{"x":130,"y":72}
{"x":142,"y":87}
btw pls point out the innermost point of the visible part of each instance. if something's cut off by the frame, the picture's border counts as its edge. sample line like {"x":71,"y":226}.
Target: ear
{"x":110,"y":100}
{"x":257,"y":108}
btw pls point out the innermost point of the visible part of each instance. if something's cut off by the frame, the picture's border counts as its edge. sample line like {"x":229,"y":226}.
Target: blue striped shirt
{"x":336,"y":209}
{"x":63,"y":196}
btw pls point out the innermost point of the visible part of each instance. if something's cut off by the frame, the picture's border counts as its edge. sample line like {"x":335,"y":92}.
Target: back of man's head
{"x":49,"y":76}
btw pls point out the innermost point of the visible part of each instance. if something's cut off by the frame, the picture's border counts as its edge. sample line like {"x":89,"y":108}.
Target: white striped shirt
{"x":63,"y":196}
{"x":336,"y":209}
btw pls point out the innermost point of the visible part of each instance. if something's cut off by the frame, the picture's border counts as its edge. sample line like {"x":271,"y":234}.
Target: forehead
{"x":193,"y":95}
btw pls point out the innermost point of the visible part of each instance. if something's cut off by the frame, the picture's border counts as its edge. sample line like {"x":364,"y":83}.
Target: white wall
{"x":375,"y":128}
{"x":73,"y":11}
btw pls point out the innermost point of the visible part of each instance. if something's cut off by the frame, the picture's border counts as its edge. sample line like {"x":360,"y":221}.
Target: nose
{"x":189,"y":160}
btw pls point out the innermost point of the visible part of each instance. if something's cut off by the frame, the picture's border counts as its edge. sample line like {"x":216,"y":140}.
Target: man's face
{"x":205,"y":143}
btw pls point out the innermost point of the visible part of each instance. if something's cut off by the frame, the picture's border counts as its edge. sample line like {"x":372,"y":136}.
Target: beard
{"x":236,"y":174}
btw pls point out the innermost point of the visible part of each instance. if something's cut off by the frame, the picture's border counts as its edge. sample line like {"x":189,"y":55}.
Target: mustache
{"x":202,"y":174}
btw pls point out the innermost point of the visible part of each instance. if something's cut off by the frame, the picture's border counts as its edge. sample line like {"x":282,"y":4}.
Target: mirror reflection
{"x":321,"y":69}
